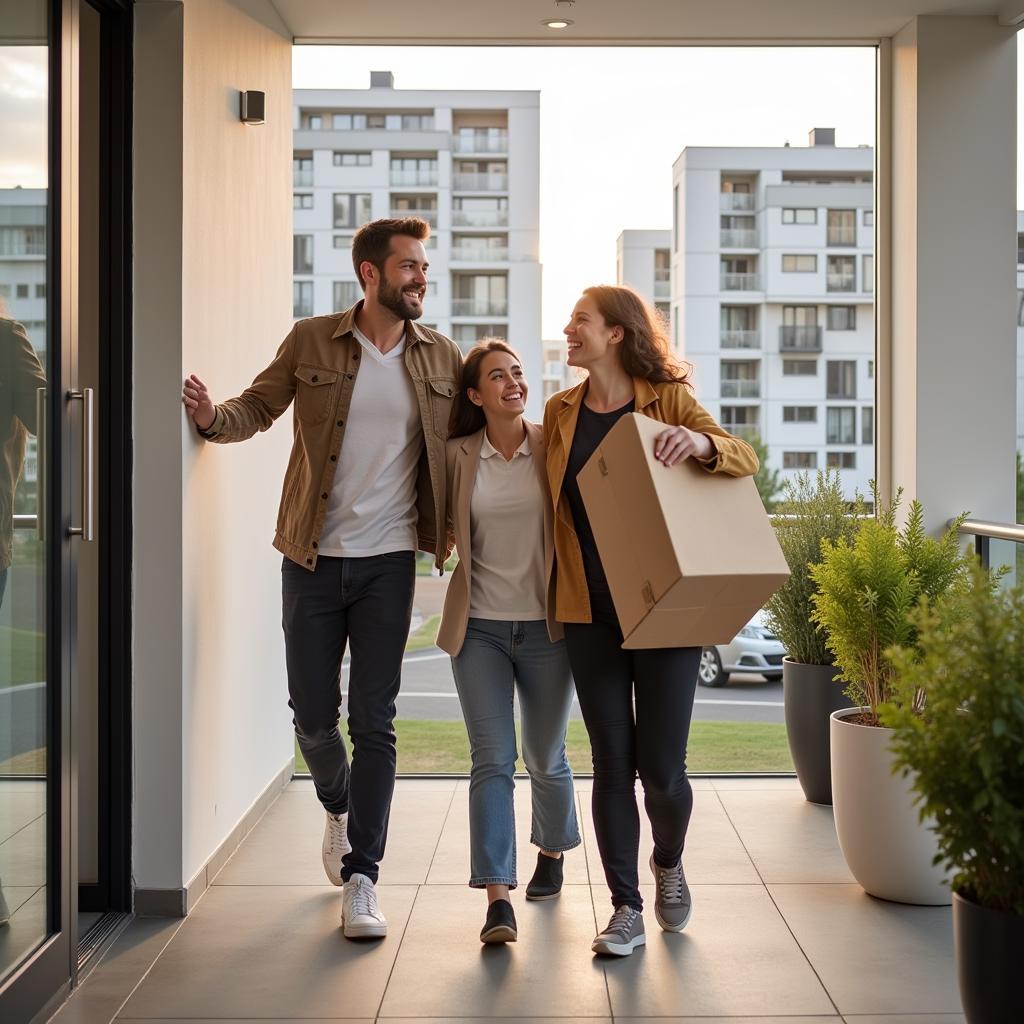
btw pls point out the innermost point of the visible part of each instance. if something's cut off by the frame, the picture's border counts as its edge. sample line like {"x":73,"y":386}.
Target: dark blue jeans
{"x":364,"y":603}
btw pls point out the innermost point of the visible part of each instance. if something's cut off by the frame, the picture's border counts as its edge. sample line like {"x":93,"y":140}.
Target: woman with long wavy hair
{"x":637,"y":703}
{"x":499,"y":629}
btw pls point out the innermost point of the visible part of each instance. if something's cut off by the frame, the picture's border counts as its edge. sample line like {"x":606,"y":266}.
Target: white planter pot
{"x":887,"y":849}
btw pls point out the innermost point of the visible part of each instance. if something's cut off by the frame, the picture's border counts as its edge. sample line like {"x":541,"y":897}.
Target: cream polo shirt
{"x":506,"y":516}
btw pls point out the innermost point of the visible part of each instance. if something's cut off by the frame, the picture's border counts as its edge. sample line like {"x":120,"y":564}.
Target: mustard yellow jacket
{"x":671,"y":404}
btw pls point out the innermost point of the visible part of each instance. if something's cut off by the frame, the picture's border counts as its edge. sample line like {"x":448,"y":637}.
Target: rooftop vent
{"x":822,"y":137}
{"x":382,"y":80}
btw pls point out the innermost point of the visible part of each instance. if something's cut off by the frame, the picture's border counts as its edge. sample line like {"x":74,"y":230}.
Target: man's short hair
{"x":372,"y":242}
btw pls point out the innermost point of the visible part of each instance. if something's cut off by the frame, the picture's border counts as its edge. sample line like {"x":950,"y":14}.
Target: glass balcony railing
{"x":479,"y":254}
{"x":430,"y":216}
{"x":842,"y":282}
{"x":740,"y":388}
{"x":480,"y":142}
{"x":303,"y":178}
{"x":739,"y":238}
{"x":406,"y":178}
{"x":739,"y":338}
{"x":744,"y":430}
{"x":480,"y":218}
{"x":842,"y":236}
{"x":998,"y":545}
{"x":662,"y":289}
{"x":480,"y":182}
{"x":740,"y":282}
{"x":799,"y":338}
{"x":737,"y":201}
{"x":480,"y":307}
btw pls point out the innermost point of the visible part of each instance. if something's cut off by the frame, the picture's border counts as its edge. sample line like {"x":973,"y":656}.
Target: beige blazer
{"x":463,"y":455}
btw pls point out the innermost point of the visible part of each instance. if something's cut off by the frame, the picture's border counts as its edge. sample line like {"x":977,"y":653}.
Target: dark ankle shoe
{"x":546,"y":883}
{"x":500,"y":925}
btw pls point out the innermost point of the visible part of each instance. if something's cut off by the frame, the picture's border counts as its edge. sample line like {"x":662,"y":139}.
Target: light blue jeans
{"x":497,"y":659}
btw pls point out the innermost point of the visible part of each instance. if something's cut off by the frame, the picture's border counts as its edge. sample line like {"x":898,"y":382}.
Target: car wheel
{"x":711,"y":672}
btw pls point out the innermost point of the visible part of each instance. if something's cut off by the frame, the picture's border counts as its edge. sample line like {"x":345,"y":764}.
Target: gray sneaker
{"x":624,"y":933}
{"x":672,"y":903}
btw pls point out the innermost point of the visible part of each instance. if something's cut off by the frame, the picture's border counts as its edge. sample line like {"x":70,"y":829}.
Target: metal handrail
{"x":25,"y":522}
{"x":995,"y":531}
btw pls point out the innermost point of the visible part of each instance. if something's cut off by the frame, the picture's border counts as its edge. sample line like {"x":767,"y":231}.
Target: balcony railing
{"x":842,"y":282}
{"x":404,"y":178}
{"x":737,"y":201}
{"x":799,"y":338}
{"x":662,"y":289}
{"x":747,"y":431}
{"x":739,"y":238}
{"x":479,"y":253}
{"x":22,"y":247}
{"x":480,"y":143}
{"x":480,"y":218}
{"x":479,"y":307}
{"x":740,"y":282}
{"x":740,"y":338}
{"x":841,"y":236}
{"x":303,"y":178}
{"x":462,"y":182}
{"x":741,"y":388}
{"x":430,"y":216}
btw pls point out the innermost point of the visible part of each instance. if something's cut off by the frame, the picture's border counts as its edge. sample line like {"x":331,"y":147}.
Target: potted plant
{"x":965,"y":755}
{"x":813,"y":510}
{"x":865,"y":589}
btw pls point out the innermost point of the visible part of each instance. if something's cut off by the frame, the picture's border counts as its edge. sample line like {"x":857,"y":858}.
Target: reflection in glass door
{"x":26,"y":917}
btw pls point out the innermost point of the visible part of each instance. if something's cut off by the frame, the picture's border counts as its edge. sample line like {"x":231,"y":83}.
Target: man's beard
{"x":391,"y":298}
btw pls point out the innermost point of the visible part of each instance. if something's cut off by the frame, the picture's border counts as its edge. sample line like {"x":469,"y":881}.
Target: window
{"x":479,"y":295}
{"x":314,"y":122}
{"x":740,"y":379}
{"x":347,"y":159}
{"x":840,"y":378}
{"x":40,"y":291}
{"x":799,"y":460}
{"x":302,"y":201}
{"x":842,"y":227}
{"x":842,"y":274}
{"x":799,"y":264}
{"x":867,"y":425}
{"x":22,"y":291}
{"x":351,"y":210}
{"x":468,"y":334}
{"x":342,"y":241}
{"x":675,"y":217}
{"x":841,"y":460}
{"x":799,"y":367}
{"x":302,"y":298}
{"x":841,"y":425}
{"x":799,"y":414}
{"x":302,"y":254}
{"x":792,"y":215}
{"x":302,"y":170}
{"x":868,"y":273}
{"x":871,"y":369}
{"x":662,"y":265}
{"x":842,"y":318}
{"x":417,"y":122}
{"x":346,"y":294}
{"x":741,"y":420}
{"x":800,"y":316}
{"x":869,"y":218}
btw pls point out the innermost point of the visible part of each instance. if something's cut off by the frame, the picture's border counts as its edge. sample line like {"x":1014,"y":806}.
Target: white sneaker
{"x":335,"y":845}
{"x":360,"y":915}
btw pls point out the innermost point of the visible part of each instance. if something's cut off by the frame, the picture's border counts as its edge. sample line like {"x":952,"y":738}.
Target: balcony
{"x":740,"y":238}
{"x":480,"y":218}
{"x":302,"y":178}
{"x":800,"y":338}
{"x":480,"y":143}
{"x":841,"y":236}
{"x":740,"y":388}
{"x":740,"y":282}
{"x":414,"y":179}
{"x":662,"y":287}
{"x":731,"y":201}
{"x":747,"y":431}
{"x":739,"y":338}
{"x":841,"y":282}
{"x":430,"y":216}
{"x":479,"y":254}
{"x":20,"y":246}
{"x":480,"y":307}
{"x":480,"y":182}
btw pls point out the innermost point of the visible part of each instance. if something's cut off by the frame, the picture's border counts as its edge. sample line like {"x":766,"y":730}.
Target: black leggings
{"x":651,"y":743}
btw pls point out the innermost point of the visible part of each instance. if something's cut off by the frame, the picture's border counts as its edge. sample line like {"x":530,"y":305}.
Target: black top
{"x":590,"y":430}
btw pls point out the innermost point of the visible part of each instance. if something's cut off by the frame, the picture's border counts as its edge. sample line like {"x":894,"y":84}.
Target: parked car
{"x":754,"y":649}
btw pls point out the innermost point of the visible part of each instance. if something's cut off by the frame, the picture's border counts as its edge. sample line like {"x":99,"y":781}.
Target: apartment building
{"x":772,"y":297}
{"x":466,"y":162}
{"x":643,"y":260}
{"x":23,"y":259}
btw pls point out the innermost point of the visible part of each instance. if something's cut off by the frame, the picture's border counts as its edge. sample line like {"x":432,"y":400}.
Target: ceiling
{"x":636,"y":22}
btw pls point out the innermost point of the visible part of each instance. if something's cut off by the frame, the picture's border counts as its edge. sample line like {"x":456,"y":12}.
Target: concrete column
{"x":947,"y":338}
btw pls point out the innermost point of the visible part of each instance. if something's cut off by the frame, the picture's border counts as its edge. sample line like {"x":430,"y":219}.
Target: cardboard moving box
{"x":690,"y":555}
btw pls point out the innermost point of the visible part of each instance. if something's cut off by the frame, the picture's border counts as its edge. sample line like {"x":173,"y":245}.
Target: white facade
{"x":467,"y":162}
{"x":643,"y":261}
{"x":772,"y":298}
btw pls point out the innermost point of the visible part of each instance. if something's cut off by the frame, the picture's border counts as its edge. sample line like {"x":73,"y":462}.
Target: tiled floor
{"x":780,"y":934}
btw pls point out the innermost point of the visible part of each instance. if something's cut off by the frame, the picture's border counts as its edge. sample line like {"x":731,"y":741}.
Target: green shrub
{"x":867,"y":586}
{"x":966,"y":751}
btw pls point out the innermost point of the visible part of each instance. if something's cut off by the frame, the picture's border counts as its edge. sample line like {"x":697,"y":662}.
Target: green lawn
{"x":441,"y":747}
{"x":425,"y":636}
{"x":21,"y":656}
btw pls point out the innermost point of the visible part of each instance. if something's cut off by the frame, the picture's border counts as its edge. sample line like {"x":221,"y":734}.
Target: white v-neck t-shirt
{"x":372,"y":507}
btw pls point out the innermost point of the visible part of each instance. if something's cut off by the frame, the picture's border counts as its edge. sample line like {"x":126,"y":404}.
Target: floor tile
{"x":25,"y":930}
{"x":585,"y":785}
{"x":873,"y":957}
{"x":906,"y":1018}
{"x":714,"y":853}
{"x":20,"y":803}
{"x":271,"y":951}
{"x":18,"y":895}
{"x":442,"y":970}
{"x":789,"y":839}
{"x":442,"y":784}
{"x":725,"y":782}
{"x":736,"y":958}
{"x":244,"y":1020}
{"x":729,"y":1020}
{"x":23,"y":855}
{"x":284,"y":847}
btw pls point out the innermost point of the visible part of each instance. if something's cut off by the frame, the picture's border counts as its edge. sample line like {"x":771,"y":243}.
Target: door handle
{"x":41,"y":464}
{"x":86,"y":531}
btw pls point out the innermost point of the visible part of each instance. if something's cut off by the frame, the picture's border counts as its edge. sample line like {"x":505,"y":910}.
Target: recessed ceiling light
{"x":556,"y":22}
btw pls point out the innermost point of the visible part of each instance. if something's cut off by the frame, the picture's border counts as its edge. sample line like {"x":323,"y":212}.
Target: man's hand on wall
{"x":196,"y":400}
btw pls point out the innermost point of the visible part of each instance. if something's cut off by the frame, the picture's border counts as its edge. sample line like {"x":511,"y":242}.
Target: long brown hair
{"x":467,"y":418}
{"x":645,"y":349}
